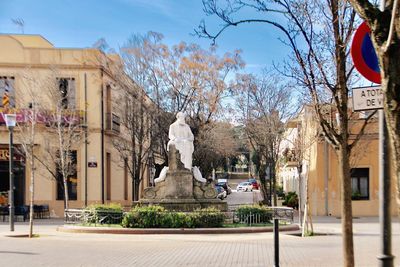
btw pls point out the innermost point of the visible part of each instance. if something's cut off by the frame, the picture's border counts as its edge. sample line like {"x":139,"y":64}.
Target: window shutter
{"x":71,"y":93}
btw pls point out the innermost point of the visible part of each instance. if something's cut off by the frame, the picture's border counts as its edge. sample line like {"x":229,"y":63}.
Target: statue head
{"x":181,"y":117}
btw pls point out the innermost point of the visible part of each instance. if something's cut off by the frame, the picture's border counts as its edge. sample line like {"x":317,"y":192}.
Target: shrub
{"x":262,"y":212}
{"x":158,"y":217}
{"x":144,"y":217}
{"x":279,"y":192}
{"x":208,"y":217}
{"x":104,"y":213}
{"x":291,"y":200}
{"x":174,"y":220}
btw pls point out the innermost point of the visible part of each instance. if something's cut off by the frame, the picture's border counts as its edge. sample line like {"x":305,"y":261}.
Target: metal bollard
{"x":276,"y":242}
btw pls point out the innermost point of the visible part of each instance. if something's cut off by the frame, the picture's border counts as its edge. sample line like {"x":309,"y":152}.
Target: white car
{"x":244,"y":186}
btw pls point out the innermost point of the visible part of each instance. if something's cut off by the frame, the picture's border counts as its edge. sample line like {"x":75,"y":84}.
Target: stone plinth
{"x":179,"y":191}
{"x":178,"y":185}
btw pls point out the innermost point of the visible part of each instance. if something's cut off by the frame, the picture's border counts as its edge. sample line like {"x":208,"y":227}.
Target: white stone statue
{"x":197,"y":175}
{"x":182,"y":137}
{"x":162,"y":176}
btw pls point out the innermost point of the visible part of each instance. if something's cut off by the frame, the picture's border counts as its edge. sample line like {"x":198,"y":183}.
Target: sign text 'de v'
{"x":367,"y":98}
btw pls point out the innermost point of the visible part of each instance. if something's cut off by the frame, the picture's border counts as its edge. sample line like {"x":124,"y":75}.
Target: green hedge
{"x":263,"y":212}
{"x":104,"y":213}
{"x":158,"y":217}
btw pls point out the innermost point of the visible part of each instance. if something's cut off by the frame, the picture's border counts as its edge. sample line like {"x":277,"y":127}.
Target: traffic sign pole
{"x":366,"y":62}
{"x":386,"y":257}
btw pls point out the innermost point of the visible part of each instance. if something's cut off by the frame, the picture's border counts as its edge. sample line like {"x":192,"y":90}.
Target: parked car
{"x":254,"y":183}
{"x":244,"y":186}
{"x":227,"y":188}
{"x":221,"y":192}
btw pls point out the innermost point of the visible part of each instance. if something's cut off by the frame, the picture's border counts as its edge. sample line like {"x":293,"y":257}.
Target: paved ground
{"x":63,"y":249}
{"x":237,"y":198}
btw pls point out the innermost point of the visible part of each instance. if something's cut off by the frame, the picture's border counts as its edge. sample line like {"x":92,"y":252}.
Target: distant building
{"x":319,"y":165}
{"x":101,"y":176}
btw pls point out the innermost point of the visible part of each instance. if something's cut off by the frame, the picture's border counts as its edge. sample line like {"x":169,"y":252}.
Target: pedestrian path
{"x":68,"y":249}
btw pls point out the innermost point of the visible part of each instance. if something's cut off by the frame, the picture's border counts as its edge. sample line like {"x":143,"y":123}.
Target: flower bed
{"x":158,"y":217}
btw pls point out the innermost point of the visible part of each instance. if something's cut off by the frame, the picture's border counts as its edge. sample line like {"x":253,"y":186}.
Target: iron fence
{"x":101,"y":217}
{"x":284,"y":214}
{"x":80,"y":216}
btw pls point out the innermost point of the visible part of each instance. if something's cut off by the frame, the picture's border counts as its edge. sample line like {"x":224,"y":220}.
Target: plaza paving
{"x":54,"y":248}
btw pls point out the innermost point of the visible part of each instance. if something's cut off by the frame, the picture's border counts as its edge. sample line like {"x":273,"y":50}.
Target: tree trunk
{"x":133,"y":189}
{"x":273,"y":174}
{"x":391,"y":88}
{"x":274,"y":188}
{"x":299,"y":173}
{"x":307,"y":217}
{"x":32,"y":191}
{"x":65,"y":181}
{"x":137,"y":187}
{"x":264,"y":188}
{"x":346,"y":207}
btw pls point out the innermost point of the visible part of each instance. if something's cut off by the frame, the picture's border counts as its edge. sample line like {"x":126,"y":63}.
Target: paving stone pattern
{"x":67,"y":249}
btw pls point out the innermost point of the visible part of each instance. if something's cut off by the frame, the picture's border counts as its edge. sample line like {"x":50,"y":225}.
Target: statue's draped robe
{"x":182,"y":137}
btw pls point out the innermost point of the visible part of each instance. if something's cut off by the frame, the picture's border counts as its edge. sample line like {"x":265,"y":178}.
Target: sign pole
{"x":386,"y":257}
{"x":11,"y":173}
{"x":367,"y":63}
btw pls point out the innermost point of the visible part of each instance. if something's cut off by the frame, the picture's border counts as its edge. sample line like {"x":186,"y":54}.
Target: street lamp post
{"x":11,"y":120}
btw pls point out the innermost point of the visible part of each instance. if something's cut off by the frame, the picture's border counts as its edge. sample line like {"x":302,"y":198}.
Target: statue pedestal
{"x":179,"y":191}
{"x":179,"y":185}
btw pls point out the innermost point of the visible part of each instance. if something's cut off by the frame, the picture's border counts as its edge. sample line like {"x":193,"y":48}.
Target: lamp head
{"x":11,"y":120}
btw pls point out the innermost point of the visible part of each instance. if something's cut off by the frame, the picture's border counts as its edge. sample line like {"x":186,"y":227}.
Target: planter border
{"x":157,"y":231}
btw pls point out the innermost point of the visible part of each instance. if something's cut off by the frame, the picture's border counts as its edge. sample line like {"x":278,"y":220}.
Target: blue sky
{"x":79,"y":23}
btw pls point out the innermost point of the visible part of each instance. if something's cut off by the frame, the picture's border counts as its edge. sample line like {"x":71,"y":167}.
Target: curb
{"x":17,"y":235}
{"x":157,"y":231}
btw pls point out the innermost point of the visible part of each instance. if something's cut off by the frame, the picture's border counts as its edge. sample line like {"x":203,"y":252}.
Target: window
{"x":72,"y":180}
{"x":7,"y":92}
{"x":360,"y":183}
{"x":108,"y":99}
{"x":67,"y":92}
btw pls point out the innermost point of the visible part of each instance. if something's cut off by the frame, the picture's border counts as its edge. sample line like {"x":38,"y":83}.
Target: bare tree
{"x":64,"y":131}
{"x":27,"y":132}
{"x":318,"y":35}
{"x":215,"y":143}
{"x":183,"y":77}
{"x":135,"y":142}
{"x":385,"y":35}
{"x":265,"y":105}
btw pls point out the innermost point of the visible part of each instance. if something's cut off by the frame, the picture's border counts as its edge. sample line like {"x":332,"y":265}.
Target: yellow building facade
{"x":101,"y":176}
{"x":319,"y":180}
